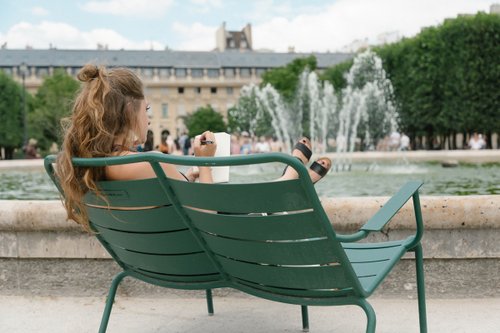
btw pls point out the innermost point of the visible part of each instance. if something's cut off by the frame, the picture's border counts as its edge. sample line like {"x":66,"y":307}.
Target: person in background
{"x":476,"y":142}
{"x":404,"y":142}
{"x":246,"y":144}
{"x":163,"y":147}
{"x":148,"y":145}
{"x":54,"y":148}
{"x":235,"y":145}
{"x":31,"y":149}
{"x":183,"y":143}
{"x":394,"y":141}
{"x":262,"y":146}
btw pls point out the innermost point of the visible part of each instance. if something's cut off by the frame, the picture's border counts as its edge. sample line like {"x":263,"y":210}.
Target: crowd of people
{"x":183,"y":144}
{"x":245,"y":144}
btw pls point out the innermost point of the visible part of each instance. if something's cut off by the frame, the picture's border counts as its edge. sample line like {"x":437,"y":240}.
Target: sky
{"x":190,"y":25}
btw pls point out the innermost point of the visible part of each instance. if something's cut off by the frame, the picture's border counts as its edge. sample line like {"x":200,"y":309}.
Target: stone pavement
{"x":239,"y":313}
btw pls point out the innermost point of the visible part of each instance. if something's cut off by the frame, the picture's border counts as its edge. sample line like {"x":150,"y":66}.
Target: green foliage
{"x":205,"y":119}
{"x":452,"y":74}
{"x":285,"y":79}
{"x":246,"y":116}
{"x":11,"y":113}
{"x":52,"y":103}
{"x":336,"y":74}
{"x":446,"y":78}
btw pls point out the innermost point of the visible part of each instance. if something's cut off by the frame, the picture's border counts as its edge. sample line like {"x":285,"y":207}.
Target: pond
{"x":380,"y":179}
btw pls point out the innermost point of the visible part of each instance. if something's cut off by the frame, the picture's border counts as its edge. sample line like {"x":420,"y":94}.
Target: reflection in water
{"x":377,"y":179}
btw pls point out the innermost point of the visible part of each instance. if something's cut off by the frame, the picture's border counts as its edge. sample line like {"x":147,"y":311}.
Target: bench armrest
{"x":387,"y":212}
{"x":391,"y":207}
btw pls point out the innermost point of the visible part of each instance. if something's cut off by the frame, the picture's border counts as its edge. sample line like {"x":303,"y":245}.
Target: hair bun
{"x":88,"y":72}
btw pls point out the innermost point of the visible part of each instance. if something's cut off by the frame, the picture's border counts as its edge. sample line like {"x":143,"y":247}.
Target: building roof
{"x":175,"y":59}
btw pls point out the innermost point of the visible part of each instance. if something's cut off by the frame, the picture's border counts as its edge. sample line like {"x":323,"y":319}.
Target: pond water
{"x":363,"y":180}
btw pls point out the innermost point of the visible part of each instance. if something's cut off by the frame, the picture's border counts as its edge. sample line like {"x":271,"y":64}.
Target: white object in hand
{"x":221,"y":174}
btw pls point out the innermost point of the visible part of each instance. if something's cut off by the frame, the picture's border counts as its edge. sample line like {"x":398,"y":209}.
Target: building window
{"x":197,"y":72}
{"x":164,"y":72}
{"x":213,"y":90}
{"x":229,"y":72}
{"x":197,"y":90}
{"x":245,"y":72}
{"x":213,"y":72}
{"x":147,"y":72}
{"x":42,"y":72}
{"x":180,"y":72}
{"x":164,"y":110}
{"x":181,"y":110}
{"x":180,"y":90}
{"x":229,"y":90}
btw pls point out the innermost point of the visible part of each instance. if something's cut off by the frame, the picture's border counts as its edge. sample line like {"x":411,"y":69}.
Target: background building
{"x":176,"y":82}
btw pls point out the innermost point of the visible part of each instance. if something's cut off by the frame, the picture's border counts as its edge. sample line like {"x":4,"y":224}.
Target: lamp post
{"x":23,"y":68}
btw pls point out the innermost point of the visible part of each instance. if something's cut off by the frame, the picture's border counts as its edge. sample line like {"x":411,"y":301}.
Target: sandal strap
{"x":304,"y":150}
{"x":319,"y":169}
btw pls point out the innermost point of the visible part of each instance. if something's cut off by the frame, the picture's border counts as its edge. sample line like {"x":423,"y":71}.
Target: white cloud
{"x":39,"y":11}
{"x":263,"y":10}
{"x":347,"y":20}
{"x":324,"y":28}
{"x":195,"y":37}
{"x":204,"y":6}
{"x":128,"y":7}
{"x":65,"y":36}
{"x":208,"y":3}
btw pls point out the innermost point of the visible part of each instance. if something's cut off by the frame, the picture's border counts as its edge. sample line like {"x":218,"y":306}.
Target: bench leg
{"x":419,"y":262}
{"x":210,"y":302}
{"x":109,"y":302}
{"x":370,"y":316}
{"x":305,"y":318}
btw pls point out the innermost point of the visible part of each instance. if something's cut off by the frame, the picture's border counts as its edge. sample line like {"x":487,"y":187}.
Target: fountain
{"x":361,"y":114}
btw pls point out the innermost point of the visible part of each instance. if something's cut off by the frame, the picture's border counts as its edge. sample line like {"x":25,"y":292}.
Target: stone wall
{"x":43,"y":254}
{"x":455,"y":227}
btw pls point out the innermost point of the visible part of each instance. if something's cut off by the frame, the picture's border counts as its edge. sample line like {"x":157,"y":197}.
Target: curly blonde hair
{"x":105,"y":108}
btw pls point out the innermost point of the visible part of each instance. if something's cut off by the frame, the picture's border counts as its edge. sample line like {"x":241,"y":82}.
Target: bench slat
{"x":325,"y":277}
{"x":129,"y":193}
{"x":188,"y":264}
{"x":177,"y":242}
{"x":243,"y":198}
{"x":319,"y":251}
{"x":159,"y":219}
{"x":274,"y":227}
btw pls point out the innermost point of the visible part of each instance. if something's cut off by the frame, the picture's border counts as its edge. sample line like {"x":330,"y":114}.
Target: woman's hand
{"x":202,"y":149}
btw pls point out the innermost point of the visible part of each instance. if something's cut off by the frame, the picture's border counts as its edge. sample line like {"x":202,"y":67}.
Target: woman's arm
{"x":143,"y":170}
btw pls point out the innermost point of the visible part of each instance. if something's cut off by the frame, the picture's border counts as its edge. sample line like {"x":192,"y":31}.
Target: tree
{"x":336,"y":74}
{"x":445,"y":79}
{"x":205,"y":119}
{"x":285,"y":79}
{"x":11,"y":113}
{"x":52,"y":103}
{"x":248,"y":116}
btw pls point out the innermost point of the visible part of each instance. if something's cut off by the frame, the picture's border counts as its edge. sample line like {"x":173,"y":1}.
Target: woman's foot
{"x":302,"y":151}
{"x":319,"y":169}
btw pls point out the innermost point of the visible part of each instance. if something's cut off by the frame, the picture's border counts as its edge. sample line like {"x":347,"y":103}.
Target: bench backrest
{"x":265,"y":238}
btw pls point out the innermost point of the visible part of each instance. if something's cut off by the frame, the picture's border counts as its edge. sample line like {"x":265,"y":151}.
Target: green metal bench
{"x":185,"y":235}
